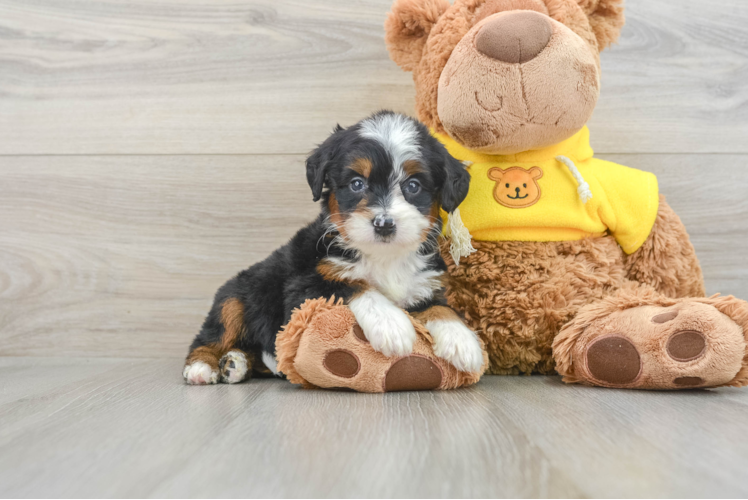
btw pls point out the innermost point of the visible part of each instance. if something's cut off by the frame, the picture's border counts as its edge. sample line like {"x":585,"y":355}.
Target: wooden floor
{"x":150,"y":150}
{"x":129,"y":428}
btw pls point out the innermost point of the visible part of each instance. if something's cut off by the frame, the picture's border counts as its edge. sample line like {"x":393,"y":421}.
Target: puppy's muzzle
{"x":383,"y":225}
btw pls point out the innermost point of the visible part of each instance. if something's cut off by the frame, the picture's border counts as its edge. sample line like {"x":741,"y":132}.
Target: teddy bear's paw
{"x":690,"y":344}
{"x":456,"y":343}
{"x":234,"y":367}
{"x":388,"y":329}
{"x":200,"y":373}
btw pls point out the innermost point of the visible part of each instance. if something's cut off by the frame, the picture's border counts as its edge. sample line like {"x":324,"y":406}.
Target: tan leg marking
{"x":437,"y":313}
{"x":232,"y":318}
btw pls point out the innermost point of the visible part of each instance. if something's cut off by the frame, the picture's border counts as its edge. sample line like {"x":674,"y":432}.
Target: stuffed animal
{"x":322,"y":346}
{"x":560,"y":260}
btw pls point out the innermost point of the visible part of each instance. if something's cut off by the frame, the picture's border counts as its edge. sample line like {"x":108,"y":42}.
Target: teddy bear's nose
{"x":515,"y":37}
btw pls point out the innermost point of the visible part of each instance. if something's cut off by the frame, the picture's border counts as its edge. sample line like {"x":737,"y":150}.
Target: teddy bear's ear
{"x":495,"y":174}
{"x":606,"y":18}
{"x":536,"y":173}
{"x":408,"y":26}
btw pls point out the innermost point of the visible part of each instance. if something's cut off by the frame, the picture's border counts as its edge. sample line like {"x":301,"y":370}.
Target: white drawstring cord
{"x":584,"y":189}
{"x":462,"y":242}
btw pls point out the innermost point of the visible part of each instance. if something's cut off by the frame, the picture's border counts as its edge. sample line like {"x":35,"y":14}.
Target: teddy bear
{"x":562,"y":262}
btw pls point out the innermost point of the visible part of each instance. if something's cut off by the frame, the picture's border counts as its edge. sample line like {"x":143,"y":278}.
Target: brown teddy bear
{"x":577,"y":265}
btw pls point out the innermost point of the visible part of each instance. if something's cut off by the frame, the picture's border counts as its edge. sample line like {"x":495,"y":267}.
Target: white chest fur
{"x":404,"y":280}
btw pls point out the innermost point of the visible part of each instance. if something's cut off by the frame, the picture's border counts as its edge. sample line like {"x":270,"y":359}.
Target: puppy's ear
{"x":319,"y":161}
{"x":408,"y":26}
{"x":456,"y":183}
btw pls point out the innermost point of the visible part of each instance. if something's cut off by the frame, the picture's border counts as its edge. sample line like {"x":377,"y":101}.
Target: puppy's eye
{"x":412,"y":187}
{"x":357,"y":185}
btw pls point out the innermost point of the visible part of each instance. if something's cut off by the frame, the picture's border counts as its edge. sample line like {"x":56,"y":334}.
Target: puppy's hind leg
{"x":235,"y":366}
{"x":201,"y":366}
{"x":213,"y":356}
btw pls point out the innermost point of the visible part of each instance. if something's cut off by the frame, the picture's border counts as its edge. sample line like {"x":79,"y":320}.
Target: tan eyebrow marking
{"x":413,"y":167}
{"x":362,"y":166}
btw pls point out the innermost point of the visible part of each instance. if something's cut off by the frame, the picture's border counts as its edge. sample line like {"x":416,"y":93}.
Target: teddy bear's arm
{"x":667,"y":260}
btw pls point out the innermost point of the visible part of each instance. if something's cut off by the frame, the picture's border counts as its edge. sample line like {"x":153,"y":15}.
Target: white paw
{"x":456,"y":343}
{"x":200,"y":373}
{"x":233,"y":366}
{"x":392,"y":335}
{"x":386,"y":326}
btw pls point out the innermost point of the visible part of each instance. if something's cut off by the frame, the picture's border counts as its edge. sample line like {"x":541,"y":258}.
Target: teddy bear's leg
{"x":518,"y":295}
{"x":323,"y":346}
{"x":640,"y":339}
{"x":667,"y":261}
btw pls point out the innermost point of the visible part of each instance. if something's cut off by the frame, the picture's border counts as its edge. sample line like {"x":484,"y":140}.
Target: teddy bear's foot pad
{"x":327,"y":348}
{"x":690,"y":344}
{"x":413,"y":373}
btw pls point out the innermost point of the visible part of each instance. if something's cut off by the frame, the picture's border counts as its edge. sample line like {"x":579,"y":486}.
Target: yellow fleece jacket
{"x":535,"y":196}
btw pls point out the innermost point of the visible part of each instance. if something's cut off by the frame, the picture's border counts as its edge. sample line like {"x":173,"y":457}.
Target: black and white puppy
{"x":375,"y":244}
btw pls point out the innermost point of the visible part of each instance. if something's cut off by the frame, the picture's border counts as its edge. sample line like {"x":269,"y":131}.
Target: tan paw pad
{"x":688,"y":381}
{"x":613,"y":359}
{"x":686,"y":346}
{"x":665,"y":317}
{"x":413,"y":373}
{"x":342,"y":363}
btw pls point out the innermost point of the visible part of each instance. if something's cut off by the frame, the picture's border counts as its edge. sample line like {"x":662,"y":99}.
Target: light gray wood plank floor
{"x":129,"y":427}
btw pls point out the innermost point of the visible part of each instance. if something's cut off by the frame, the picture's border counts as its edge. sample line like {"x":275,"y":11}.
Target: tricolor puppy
{"x":381,"y":182}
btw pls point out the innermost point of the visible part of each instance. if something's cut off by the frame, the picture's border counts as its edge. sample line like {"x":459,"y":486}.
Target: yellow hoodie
{"x":539,"y":195}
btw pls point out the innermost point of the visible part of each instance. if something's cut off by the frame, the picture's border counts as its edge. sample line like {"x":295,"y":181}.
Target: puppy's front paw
{"x":392,"y":335}
{"x":200,"y":373}
{"x":387,"y":327}
{"x":457,"y":344}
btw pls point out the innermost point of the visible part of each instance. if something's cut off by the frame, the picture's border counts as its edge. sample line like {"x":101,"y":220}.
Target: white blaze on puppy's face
{"x":398,"y":135}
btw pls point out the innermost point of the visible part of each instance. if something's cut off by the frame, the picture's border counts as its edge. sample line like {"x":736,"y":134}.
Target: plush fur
{"x":374,"y":245}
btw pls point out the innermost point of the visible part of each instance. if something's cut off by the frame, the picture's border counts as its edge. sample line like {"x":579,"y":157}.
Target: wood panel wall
{"x":150,"y":150}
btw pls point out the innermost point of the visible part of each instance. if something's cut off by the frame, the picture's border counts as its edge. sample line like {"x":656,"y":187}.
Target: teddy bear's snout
{"x":514,"y":37}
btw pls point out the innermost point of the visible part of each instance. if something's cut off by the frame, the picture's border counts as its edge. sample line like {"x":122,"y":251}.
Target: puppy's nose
{"x":516,"y":37}
{"x":383,"y":225}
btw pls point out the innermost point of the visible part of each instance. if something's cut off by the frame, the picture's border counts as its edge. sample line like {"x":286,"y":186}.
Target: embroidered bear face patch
{"x":515,"y":186}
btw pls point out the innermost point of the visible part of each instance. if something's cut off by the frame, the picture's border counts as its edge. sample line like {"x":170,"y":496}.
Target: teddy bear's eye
{"x":507,"y":185}
{"x":524,"y":185}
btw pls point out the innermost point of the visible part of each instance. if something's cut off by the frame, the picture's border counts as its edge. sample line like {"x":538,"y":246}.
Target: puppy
{"x":381,"y":182}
